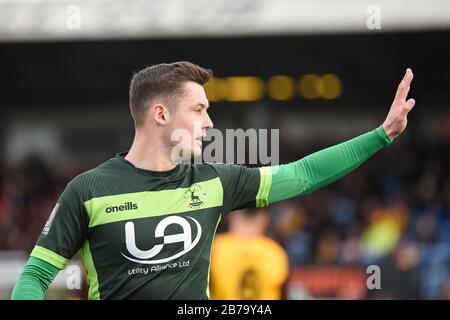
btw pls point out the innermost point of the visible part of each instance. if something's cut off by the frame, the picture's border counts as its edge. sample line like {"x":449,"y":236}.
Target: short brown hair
{"x":163,"y":80}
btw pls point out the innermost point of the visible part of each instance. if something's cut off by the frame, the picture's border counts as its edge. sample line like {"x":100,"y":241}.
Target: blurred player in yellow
{"x":246,"y":264}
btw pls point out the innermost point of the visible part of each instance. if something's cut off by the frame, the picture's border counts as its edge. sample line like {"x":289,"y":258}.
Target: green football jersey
{"x":147,"y":234}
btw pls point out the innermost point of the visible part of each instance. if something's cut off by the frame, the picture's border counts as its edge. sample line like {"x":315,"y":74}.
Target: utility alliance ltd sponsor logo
{"x":150,"y":256}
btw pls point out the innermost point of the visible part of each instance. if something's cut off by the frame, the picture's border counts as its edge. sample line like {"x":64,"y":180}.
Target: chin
{"x":196,"y":151}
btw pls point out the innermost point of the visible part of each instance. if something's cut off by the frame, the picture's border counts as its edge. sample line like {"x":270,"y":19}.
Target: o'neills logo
{"x":124,"y":207}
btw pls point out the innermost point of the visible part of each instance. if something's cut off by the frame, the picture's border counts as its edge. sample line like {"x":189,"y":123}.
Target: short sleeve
{"x":65,"y":230}
{"x":243,"y":187}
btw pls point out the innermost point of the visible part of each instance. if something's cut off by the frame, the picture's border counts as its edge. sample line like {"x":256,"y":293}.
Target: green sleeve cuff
{"x":383,"y":135}
{"x":262,"y":197}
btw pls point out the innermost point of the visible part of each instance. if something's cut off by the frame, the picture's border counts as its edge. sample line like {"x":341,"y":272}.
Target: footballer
{"x":145,"y":221}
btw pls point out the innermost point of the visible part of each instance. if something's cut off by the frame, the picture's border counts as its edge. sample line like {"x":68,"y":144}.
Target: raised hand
{"x":396,"y":119}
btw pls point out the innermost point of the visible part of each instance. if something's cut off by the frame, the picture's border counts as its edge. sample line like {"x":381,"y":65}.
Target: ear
{"x":160,"y":114}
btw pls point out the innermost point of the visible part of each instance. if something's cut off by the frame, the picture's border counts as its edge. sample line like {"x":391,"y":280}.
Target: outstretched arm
{"x":326,"y":166}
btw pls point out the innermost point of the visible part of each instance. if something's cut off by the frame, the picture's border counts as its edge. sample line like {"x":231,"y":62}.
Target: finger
{"x":403,"y":87}
{"x":410,"y":104}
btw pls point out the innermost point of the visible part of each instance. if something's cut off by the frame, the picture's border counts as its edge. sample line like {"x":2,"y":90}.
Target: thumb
{"x":410,"y":104}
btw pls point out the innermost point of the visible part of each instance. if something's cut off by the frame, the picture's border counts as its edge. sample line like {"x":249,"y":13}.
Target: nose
{"x":207,"y":122}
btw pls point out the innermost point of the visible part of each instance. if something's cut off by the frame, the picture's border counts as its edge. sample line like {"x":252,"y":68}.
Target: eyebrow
{"x":206,"y":106}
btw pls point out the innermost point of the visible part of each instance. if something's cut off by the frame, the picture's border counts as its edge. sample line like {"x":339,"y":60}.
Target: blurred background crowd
{"x":394,"y":212}
{"x":64,"y":110}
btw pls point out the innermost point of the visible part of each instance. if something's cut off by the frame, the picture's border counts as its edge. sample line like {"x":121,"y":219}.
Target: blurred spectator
{"x":289,"y":222}
{"x":445,"y":291}
{"x":384,"y":230}
{"x":399,"y":276}
{"x":326,"y":252}
{"x":245,"y":263}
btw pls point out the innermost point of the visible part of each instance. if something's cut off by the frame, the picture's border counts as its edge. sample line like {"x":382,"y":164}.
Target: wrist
{"x":388,"y":132}
{"x":381,"y":131}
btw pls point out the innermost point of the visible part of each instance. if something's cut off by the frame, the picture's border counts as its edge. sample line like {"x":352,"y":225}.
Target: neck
{"x":150,"y":153}
{"x":246,"y":231}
